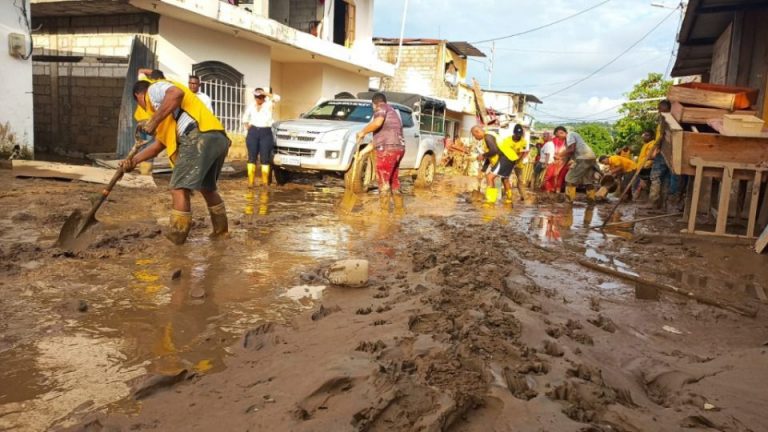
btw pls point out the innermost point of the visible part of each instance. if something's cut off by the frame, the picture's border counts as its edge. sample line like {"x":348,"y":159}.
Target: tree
{"x":598,"y":136}
{"x":640,"y":116}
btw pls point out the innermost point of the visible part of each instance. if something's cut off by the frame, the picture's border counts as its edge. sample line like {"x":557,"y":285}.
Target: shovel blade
{"x":72,"y":229}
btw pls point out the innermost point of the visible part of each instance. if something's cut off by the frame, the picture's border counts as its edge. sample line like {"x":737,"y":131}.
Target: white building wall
{"x":181,"y":45}
{"x":337,"y":80}
{"x":16,"y":124}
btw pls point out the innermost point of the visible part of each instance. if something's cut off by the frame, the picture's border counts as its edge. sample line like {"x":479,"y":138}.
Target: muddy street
{"x":474,"y":319}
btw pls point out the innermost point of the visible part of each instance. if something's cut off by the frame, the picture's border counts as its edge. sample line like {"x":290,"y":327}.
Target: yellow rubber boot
{"x":218,"y":219}
{"x":491,"y":195}
{"x":570,"y":193}
{"x":181,"y":222}
{"x":251,"y":174}
{"x":265,"y":175}
{"x":591,"y":195}
{"x":508,"y":196}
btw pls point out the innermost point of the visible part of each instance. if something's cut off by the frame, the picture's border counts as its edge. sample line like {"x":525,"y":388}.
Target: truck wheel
{"x":282,"y":176}
{"x":425,"y":176}
{"x":365,"y":175}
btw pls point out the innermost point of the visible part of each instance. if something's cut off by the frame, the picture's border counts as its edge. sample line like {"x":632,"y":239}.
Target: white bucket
{"x":352,"y":272}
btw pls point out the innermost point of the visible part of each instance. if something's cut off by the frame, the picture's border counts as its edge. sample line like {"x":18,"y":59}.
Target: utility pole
{"x":490,"y":70}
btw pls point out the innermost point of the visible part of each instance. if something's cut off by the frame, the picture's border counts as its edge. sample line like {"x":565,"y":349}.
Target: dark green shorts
{"x":200,"y":157}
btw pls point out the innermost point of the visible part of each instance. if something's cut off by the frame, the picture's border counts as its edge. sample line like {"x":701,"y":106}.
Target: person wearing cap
{"x":257,"y":120}
{"x":499,"y":158}
{"x":519,"y":145}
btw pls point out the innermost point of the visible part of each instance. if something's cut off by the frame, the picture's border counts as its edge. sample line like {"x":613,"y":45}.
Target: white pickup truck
{"x":323,"y":139}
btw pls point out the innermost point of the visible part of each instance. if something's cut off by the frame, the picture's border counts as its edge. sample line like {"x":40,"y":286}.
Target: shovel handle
{"x":115,"y":178}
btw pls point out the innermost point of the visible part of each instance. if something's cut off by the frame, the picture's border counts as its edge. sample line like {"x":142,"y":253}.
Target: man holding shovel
{"x":196,"y":145}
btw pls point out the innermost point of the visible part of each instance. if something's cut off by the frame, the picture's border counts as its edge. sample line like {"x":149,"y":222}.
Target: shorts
{"x":582,"y":172}
{"x":199,"y":159}
{"x":503,"y":168}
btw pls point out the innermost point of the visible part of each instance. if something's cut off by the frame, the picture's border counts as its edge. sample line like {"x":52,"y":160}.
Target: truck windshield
{"x":342,"y":111}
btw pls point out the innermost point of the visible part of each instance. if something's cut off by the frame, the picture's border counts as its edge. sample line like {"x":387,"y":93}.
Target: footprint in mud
{"x":521,"y":386}
{"x":604,"y":323}
{"x":581,"y":338}
{"x":553,"y":349}
{"x":430,"y":323}
{"x":318,"y":400}
{"x":586,"y":373}
{"x":323,"y":312}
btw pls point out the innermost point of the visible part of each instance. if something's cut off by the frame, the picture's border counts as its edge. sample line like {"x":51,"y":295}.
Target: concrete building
{"x":87,"y":52}
{"x":438,"y":68}
{"x":16,"y":120}
{"x":435,"y":68}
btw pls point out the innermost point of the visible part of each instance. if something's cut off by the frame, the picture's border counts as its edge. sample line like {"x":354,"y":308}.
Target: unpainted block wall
{"x":78,"y":81}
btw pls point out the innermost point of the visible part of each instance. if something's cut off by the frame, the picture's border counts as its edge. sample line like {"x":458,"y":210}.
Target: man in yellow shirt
{"x":196,"y":145}
{"x":621,"y":168}
{"x":519,"y":144}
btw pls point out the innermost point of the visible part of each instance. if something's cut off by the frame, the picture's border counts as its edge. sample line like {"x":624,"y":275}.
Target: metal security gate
{"x":228,"y":102}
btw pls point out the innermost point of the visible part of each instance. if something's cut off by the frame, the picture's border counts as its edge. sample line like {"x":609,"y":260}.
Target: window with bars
{"x":226,"y":88}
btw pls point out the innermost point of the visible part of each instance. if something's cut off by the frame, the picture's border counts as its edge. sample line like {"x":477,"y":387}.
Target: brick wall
{"x":421,"y":71}
{"x":78,"y":79}
{"x":302,"y":13}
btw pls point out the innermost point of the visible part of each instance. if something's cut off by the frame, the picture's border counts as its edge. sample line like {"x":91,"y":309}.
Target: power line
{"x":674,"y":43}
{"x":603,"y":67}
{"x":545,"y":25}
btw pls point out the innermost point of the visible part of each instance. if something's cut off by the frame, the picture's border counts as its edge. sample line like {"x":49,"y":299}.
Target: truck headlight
{"x":337,"y":136}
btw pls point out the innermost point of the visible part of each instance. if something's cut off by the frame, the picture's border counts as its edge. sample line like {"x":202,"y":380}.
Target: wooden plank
{"x":480,"y":101}
{"x":700,"y":115}
{"x":38,"y":169}
{"x":716,"y":147}
{"x":695,"y":198}
{"x":700,"y":97}
{"x":735,"y":49}
{"x":725,"y":198}
{"x":762,"y":241}
{"x":720,"y":55}
{"x":752,"y":217}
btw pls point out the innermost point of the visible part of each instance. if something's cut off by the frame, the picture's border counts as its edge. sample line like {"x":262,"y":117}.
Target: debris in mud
{"x":581,"y":338}
{"x":323,"y":312}
{"x":197,"y":292}
{"x":176,"y":274}
{"x":594,"y":304}
{"x":364,"y":311}
{"x":371,"y":347}
{"x":604,"y":323}
{"x":155,"y":383}
{"x":382,"y":309}
{"x":352,"y":272}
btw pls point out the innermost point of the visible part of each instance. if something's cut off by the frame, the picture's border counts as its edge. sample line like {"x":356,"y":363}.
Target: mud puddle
{"x":80,"y":331}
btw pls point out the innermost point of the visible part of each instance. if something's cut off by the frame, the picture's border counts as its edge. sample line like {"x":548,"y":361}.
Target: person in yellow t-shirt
{"x":645,"y":162}
{"x":621,"y":168}
{"x":196,"y":144}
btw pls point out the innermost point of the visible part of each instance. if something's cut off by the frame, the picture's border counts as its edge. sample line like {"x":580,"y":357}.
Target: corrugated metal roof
{"x":704,"y":22}
{"x":464,"y":49}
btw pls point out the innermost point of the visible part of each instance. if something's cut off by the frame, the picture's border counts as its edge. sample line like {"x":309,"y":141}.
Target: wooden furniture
{"x":680,"y":146}
{"x":707,"y":156}
{"x":724,"y":196}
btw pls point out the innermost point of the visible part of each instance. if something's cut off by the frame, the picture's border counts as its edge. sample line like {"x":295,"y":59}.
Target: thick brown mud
{"x":475,"y":318}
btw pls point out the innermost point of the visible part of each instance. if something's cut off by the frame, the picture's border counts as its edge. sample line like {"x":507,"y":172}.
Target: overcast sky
{"x":545,"y":61}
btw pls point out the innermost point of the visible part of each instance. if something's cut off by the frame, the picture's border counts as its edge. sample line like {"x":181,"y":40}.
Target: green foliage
{"x":598,"y":136}
{"x":640,"y":116}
